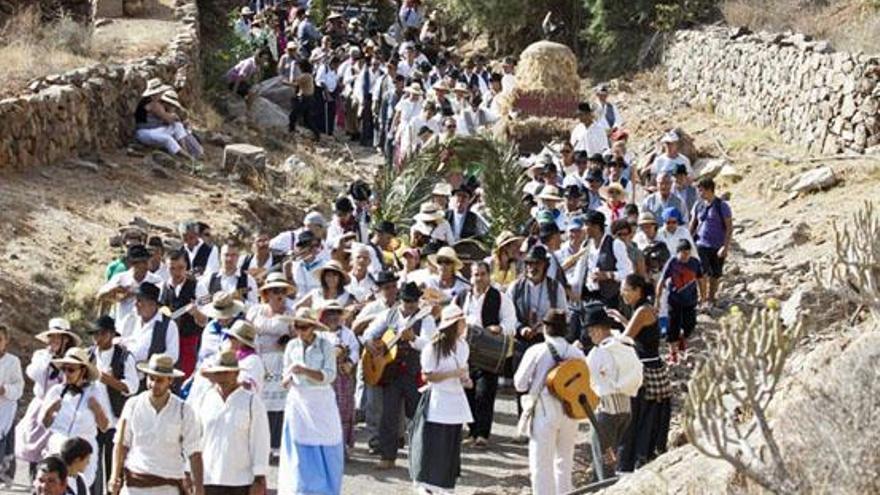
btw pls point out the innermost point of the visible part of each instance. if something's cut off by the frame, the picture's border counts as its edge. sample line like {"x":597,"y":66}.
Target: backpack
{"x":656,"y":256}
{"x":630,"y":373}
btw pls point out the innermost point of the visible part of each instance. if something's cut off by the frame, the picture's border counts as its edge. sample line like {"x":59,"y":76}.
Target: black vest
{"x":186,"y":324}
{"x":241,"y":285}
{"x":117,"y":369}
{"x":469,"y":228}
{"x":157,"y":342}
{"x":607,"y":262}
{"x":520,"y":302}
{"x":490,"y":313}
{"x":200,"y":260}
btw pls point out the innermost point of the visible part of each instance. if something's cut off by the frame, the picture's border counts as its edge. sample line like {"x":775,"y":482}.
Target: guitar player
{"x":399,"y":383}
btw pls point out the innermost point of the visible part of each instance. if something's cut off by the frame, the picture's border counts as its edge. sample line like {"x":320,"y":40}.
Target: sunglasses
{"x":444,"y":261}
{"x":70,"y":369}
{"x":300,"y":326}
{"x":277,"y":290}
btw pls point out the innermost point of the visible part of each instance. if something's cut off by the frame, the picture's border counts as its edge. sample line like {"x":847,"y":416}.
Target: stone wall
{"x":82,"y":110}
{"x":826,"y":101}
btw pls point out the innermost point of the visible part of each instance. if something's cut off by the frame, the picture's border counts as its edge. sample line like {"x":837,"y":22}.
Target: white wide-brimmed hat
{"x":155,"y":87}
{"x":277,"y":280}
{"x":160,"y":365}
{"x":223,"y":306}
{"x":223,"y":362}
{"x":305,"y":316}
{"x":429,"y":212}
{"x":80,"y":357}
{"x":446,"y":253}
{"x":450,"y":315}
{"x":244,"y":332}
{"x":58,"y":326}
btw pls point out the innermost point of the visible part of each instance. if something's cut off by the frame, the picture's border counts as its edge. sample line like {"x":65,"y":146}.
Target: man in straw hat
{"x":121,"y":288}
{"x":221,"y":411}
{"x":148,"y":331}
{"x":158,"y":444}
{"x":401,"y":389}
{"x":347,"y":356}
{"x":242,"y":336}
{"x":117,"y":382}
{"x":222,"y":312}
{"x":447,"y":279}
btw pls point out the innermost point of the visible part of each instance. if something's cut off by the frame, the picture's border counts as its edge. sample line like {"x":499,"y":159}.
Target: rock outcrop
{"x":826,"y":101}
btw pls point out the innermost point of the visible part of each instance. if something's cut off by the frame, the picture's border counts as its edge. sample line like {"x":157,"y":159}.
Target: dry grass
{"x":125,"y":39}
{"x":850,"y":25}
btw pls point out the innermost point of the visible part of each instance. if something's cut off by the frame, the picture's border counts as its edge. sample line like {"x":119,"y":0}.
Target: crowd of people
{"x":207,"y":365}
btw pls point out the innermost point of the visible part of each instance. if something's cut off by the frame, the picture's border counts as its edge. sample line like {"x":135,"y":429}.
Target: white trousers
{"x":551,"y":448}
{"x":160,"y":490}
{"x":165,"y":137}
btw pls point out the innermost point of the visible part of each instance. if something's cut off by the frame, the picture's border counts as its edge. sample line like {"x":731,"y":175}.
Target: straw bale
{"x":547,"y":67}
{"x":533,"y":133}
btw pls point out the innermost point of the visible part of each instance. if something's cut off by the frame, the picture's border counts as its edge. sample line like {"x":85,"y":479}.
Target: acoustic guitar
{"x":375,"y":364}
{"x":569,"y":382}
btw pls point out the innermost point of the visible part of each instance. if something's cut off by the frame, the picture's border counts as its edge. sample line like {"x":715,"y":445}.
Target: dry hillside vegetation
{"x":850,"y":25}
{"x":31,"y":47}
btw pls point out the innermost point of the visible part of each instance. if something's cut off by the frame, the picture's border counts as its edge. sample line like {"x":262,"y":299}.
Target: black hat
{"x":547,"y":229}
{"x":148,"y":291}
{"x":137,"y":253}
{"x":683,"y":245}
{"x":305,"y":238}
{"x":155,"y":242}
{"x":470,"y":250}
{"x":585,"y":107}
{"x":431,"y":247}
{"x":581,"y":156}
{"x":464,"y":187}
{"x":343,"y":205}
{"x":536,"y":253}
{"x":595,"y":175}
{"x":496,"y":77}
{"x":103,"y":323}
{"x":385,"y":227}
{"x":410,"y":292}
{"x":597,"y":158}
{"x":595,"y":315}
{"x":593,"y":217}
{"x":573,"y":191}
{"x":555,"y":318}
{"x":385,"y":277}
{"x":424,"y":130}
{"x":360,"y":191}
{"x":681,"y":168}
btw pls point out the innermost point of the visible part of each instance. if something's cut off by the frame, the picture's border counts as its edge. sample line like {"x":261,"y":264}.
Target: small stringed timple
{"x":570,"y":383}
{"x":375,"y":365}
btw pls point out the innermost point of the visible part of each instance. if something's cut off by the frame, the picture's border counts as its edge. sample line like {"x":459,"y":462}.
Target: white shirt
{"x":593,"y":139}
{"x":136,"y":335}
{"x":663,"y":163}
{"x":508,"y":83}
{"x":587,"y":264}
{"x":284,"y":242}
{"x":12,"y":381}
{"x":158,"y":442}
{"x":600,"y":113}
{"x":229,"y":283}
{"x":448,"y":403}
{"x":538,"y":299}
{"x":361,"y":289}
{"x":235,"y":437}
{"x":213,"y":263}
{"x":126,"y":279}
{"x":671,"y":239}
{"x":391,"y":318}
{"x":458,"y":285}
{"x":252,"y":372}
{"x":73,"y":419}
{"x":327,"y":78}
{"x":38,"y":370}
{"x":537,"y":361}
{"x":473,"y":311}
{"x":304,"y":277}
{"x":162,"y":272}
{"x":343,"y":336}
{"x":130,"y":378}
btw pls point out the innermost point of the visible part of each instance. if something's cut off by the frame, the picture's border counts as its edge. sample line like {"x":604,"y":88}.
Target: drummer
{"x":488,"y":308}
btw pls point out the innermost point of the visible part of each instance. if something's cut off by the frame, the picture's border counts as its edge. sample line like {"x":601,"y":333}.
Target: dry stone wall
{"x":76,"y":112}
{"x":826,"y":101}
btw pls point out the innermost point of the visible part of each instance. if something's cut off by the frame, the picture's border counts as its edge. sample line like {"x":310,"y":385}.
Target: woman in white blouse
{"x":435,"y":442}
{"x":312,"y":452}
{"x":333,"y":279}
{"x":273,"y":332}
{"x":72,"y":409}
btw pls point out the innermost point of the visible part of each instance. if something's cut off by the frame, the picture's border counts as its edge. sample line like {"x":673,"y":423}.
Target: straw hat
{"x":276,"y":280}
{"x":223,"y":306}
{"x":246,"y":11}
{"x":442,"y":189}
{"x":333,"y":266}
{"x":550,"y":193}
{"x":446,"y":253}
{"x":505,"y":238}
{"x":670,"y":137}
{"x":613,"y":188}
{"x":58,"y":326}
{"x":170,"y":97}
{"x":451,"y":315}
{"x":155,"y":87}
{"x":222,"y":362}
{"x":160,"y":365}
{"x":305,"y":316}
{"x":461,"y":87}
{"x":291,"y":45}
{"x":646,"y":218}
{"x":244,"y":332}
{"x":429,"y":212}
{"x":79,"y":357}
{"x":414,"y":89}
{"x":331,"y":305}
{"x":441,"y":86}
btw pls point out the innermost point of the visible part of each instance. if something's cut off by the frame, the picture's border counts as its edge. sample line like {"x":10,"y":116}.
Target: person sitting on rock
{"x":245,"y":73}
{"x":157,"y":126}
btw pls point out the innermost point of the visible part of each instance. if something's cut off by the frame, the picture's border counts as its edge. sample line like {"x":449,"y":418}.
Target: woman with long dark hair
{"x":435,"y":438}
{"x":648,"y":430}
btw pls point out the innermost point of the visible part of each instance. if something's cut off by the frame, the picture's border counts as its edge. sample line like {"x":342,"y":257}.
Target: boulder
{"x":239,"y":156}
{"x":813,"y":180}
{"x":266,"y":115}
{"x":730,"y":173}
{"x":777,"y":240}
{"x":710,"y":167}
{"x":276,"y":91}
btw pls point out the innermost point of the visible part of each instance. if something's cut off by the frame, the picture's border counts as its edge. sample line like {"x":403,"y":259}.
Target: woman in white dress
{"x":333,"y":279}
{"x":312,"y":451}
{"x":436,"y":435}
{"x":273,"y":333}
{"x":73,"y":409}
